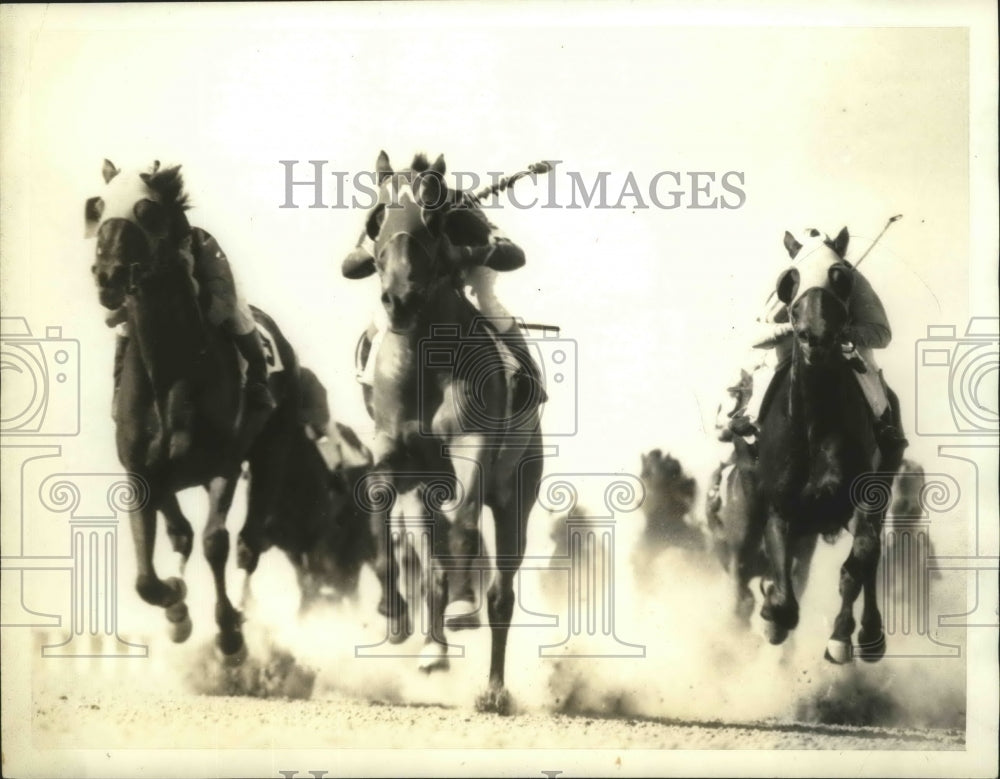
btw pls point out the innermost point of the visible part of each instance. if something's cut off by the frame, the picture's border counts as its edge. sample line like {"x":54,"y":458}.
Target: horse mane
{"x":169,"y":185}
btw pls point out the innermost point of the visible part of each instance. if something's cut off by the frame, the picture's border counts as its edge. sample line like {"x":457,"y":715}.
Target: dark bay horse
{"x":317,"y":523}
{"x":446,"y":443}
{"x":816,"y":468}
{"x":669,"y":498}
{"x":179,"y":416}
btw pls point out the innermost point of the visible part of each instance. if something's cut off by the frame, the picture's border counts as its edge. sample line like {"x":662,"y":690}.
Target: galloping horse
{"x":317,"y":523}
{"x":815,"y":469}
{"x":179,"y":418}
{"x":441,"y":401}
{"x":669,"y":497}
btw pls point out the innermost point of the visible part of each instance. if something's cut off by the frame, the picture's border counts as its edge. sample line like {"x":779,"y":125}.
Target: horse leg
{"x":179,"y":531}
{"x":858,"y":570}
{"x":215,"y":542}
{"x":780,"y":609}
{"x":387,"y":545}
{"x":464,"y":537}
{"x":739,"y":573}
{"x":746,"y":538}
{"x":871,"y":637}
{"x":179,"y":415}
{"x":803,"y":548}
{"x":511,"y":507}
{"x":268,"y":465}
{"x":434,"y":655}
{"x":169,"y":594}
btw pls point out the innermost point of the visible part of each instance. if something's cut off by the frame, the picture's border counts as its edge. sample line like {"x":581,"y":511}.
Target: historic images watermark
{"x":955,"y":388}
{"x":40,"y":406}
{"x":313,"y":184}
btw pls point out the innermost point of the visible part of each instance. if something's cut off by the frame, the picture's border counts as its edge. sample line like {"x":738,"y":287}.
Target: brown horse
{"x":317,"y":523}
{"x":669,"y":498}
{"x":180,"y":417}
{"x":814,"y":469}
{"x":441,"y":401}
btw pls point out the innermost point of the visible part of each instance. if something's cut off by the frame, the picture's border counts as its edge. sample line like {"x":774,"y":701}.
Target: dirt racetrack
{"x":306,"y":686}
{"x":119,"y":718}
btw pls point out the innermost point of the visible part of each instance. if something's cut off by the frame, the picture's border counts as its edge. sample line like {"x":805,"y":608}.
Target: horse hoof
{"x":400,"y":629}
{"x":871,"y":650}
{"x":246,"y":556}
{"x":461,"y":615}
{"x":179,"y":623}
{"x":433,"y":657}
{"x":776,"y":634}
{"x":231,"y":652}
{"x":838,"y":652}
{"x":495,"y":700}
{"x":180,"y":632}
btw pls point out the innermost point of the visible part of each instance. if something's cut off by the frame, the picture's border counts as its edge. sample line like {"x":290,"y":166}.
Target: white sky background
{"x":829,"y":127}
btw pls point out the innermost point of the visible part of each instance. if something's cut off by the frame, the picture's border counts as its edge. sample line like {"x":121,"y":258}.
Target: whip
{"x":773,"y":294}
{"x":508,"y":181}
{"x":504,"y":183}
{"x":878,"y":237}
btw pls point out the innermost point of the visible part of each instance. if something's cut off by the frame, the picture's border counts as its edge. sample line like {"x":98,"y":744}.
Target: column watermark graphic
{"x":589,"y":561}
{"x":41,"y":405}
{"x":585,"y":562}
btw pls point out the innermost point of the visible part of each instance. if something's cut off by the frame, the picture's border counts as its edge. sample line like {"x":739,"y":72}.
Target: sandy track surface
{"x":115,"y":720}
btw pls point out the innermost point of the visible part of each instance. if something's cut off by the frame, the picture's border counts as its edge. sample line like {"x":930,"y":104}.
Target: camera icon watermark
{"x":41,"y":381}
{"x":964,"y":370}
{"x":532,"y":365}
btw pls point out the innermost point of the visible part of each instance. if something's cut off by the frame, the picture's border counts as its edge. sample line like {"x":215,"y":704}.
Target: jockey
{"x":477,"y":282}
{"x":869,"y":329}
{"x":226,"y":308}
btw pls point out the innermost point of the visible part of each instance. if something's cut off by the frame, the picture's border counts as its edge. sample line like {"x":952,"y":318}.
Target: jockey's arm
{"x":772,"y":327}
{"x":212,"y":270}
{"x":499,"y":250}
{"x":869,"y":324}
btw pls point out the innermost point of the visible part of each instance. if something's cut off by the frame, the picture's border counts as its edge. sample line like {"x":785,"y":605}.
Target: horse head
{"x":139,"y":222}
{"x":670,"y":492}
{"x":816,"y":291}
{"x":419,"y":228}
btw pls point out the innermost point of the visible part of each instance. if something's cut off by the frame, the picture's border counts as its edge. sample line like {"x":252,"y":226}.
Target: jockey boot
{"x":713,"y":497}
{"x":121,"y":344}
{"x":257,"y":395}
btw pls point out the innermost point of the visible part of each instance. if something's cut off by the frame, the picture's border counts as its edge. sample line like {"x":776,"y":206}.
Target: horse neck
{"x":445,"y":306}
{"x":166,"y":319}
{"x":817,"y":395}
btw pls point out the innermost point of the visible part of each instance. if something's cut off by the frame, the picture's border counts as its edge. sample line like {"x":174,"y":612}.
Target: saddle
{"x":272,"y":357}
